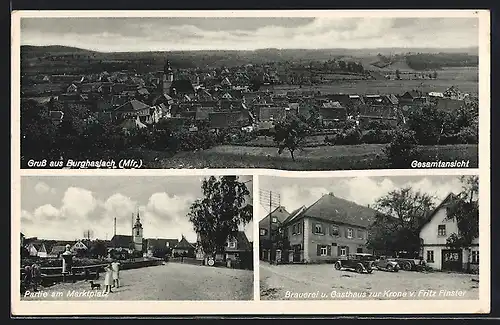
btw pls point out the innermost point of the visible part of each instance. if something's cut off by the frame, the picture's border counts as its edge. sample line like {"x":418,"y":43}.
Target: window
{"x":275,"y":220}
{"x":231,"y":244}
{"x":359,"y":250}
{"x":294,"y":229}
{"x":430,"y":257}
{"x":334,"y":231}
{"x":299,"y":228}
{"x":324,"y":251}
{"x":137,"y":232}
{"x":263,"y":231}
{"x":475,"y":257}
{"x":361,"y":234}
{"x":349,"y":232}
{"x":343,"y":251}
{"x":442,"y":230}
{"x":318,"y":228}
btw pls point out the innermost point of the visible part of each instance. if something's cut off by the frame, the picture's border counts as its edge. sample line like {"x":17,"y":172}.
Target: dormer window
{"x":231,"y":244}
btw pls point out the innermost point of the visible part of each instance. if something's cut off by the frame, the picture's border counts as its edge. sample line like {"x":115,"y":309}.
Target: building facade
{"x":433,"y":238}
{"x":327,"y":230}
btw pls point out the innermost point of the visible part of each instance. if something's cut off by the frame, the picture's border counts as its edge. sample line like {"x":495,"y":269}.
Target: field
{"x":365,"y":156}
{"x":387,"y":86}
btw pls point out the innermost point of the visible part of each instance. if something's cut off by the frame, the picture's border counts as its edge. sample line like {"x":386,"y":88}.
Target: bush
{"x":376,"y":136}
{"x":347,"y":137}
{"x":402,"y":148}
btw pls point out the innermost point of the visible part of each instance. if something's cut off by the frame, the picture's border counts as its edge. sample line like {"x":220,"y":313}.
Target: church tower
{"x":137,"y":234}
{"x":168,"y":78}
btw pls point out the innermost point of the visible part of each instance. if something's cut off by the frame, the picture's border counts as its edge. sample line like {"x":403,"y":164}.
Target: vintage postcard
{"x":134,"y":238}
{"x":281,"y":90}
{"x":349,"y":238}
{"x":144,"y":143}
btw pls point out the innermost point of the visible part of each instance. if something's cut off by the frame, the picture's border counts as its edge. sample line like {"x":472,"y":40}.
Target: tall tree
{"x":290,"y":133}
{"x":218,"y":215}
{"x":410,"y":209}
{"x":38,"y":132}
{"x":465,"y":210}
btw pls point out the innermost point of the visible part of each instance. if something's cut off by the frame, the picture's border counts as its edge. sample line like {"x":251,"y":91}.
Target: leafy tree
{"x":290,"y":133}
{"x":465,"y":210}
{"x":38,"y":132}
{"x":217,"y":216}
{"x":97,"y":249}
{"x":409,"y":208}
{"x":402,"y":149}
{"x":429,"y":124}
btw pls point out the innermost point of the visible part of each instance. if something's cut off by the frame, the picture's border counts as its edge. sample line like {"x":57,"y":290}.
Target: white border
{"x":26,"y":308}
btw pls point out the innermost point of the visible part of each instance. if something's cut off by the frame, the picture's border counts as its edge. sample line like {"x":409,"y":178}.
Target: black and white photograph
{"x":136,"y":238}
{"x":334,"y":91}
{"x":369,"y":238}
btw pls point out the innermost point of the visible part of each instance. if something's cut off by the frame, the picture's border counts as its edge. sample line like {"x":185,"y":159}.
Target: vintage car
{"x":386,"y":264}
{"x":360,"y":262}
{"x":409,"y":262}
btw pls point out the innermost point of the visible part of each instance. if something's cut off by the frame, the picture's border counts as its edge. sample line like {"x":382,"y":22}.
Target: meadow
{"x":364,"y":156}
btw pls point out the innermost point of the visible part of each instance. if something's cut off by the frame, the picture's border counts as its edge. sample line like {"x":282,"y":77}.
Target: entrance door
{"x":451,"y":260}
{"x":296,"y":253}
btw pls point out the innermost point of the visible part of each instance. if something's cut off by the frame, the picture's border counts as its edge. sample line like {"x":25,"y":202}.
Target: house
{"x":454,"y":93}
{"x":413,"y":97}
{"x":267,"y":225}
{"x":121,"y":242}
{"x":37,"y":249}
{"x":433,"y":236}
{"x":183,"y":248}
{"x":332,"y":112}
{"x":230,"y":120}
{"x":56,"y":117}
{"x":67,"y":79}
{"x":72,"y":88}
{"x":79,"y":246}
{"x":133,"y":108}
{"x":57,"y":250}
{"x":329,"y":229}
{"x":385,"y":114}
{"x":160,"y":244}
{"x":239,"y":249}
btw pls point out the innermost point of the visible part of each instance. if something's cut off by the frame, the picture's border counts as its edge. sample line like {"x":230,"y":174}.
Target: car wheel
{"x":407,"y":266}
{"x":359,"y":268}
{"x":370,"y":271}
{"x":338,"y":266}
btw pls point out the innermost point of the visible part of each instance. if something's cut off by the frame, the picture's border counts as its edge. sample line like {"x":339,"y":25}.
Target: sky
{"x":63,"y":208}
{"x":248,"y":33}
{"x":296,"y":192}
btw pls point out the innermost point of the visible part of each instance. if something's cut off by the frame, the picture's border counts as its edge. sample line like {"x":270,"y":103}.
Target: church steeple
{"x":137,"y":233}
{"x":168,"y":77}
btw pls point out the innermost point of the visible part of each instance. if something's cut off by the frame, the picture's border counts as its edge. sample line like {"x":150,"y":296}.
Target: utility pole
{"x":270,"y":200}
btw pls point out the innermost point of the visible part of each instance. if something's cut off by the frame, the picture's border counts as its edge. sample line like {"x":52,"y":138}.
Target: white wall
{"x":429,"y":232}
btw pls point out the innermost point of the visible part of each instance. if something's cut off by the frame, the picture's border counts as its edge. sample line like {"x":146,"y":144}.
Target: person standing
{"x":36,"y":276}
{"x":108,"y":282}
{"x":116,"y":273}
{"x":28,"y":278}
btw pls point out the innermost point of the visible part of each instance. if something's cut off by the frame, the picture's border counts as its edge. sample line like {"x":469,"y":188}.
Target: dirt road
{"x":172,"y":281}
{"x":321,"y":282}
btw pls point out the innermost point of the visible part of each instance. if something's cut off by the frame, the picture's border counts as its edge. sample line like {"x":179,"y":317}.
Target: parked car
{"x":387,"y":264}
{"x":360,"y":262}
{"x":408,"y":262}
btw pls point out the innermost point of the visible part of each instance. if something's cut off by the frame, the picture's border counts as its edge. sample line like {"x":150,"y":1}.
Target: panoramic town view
{"x":136,"y":238}
{"x":373,"y":238}
{"x":304,"y":93}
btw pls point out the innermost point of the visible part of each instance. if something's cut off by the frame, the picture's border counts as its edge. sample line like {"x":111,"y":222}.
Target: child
{"x":108,"y":279}
{"x":116,"y":273}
